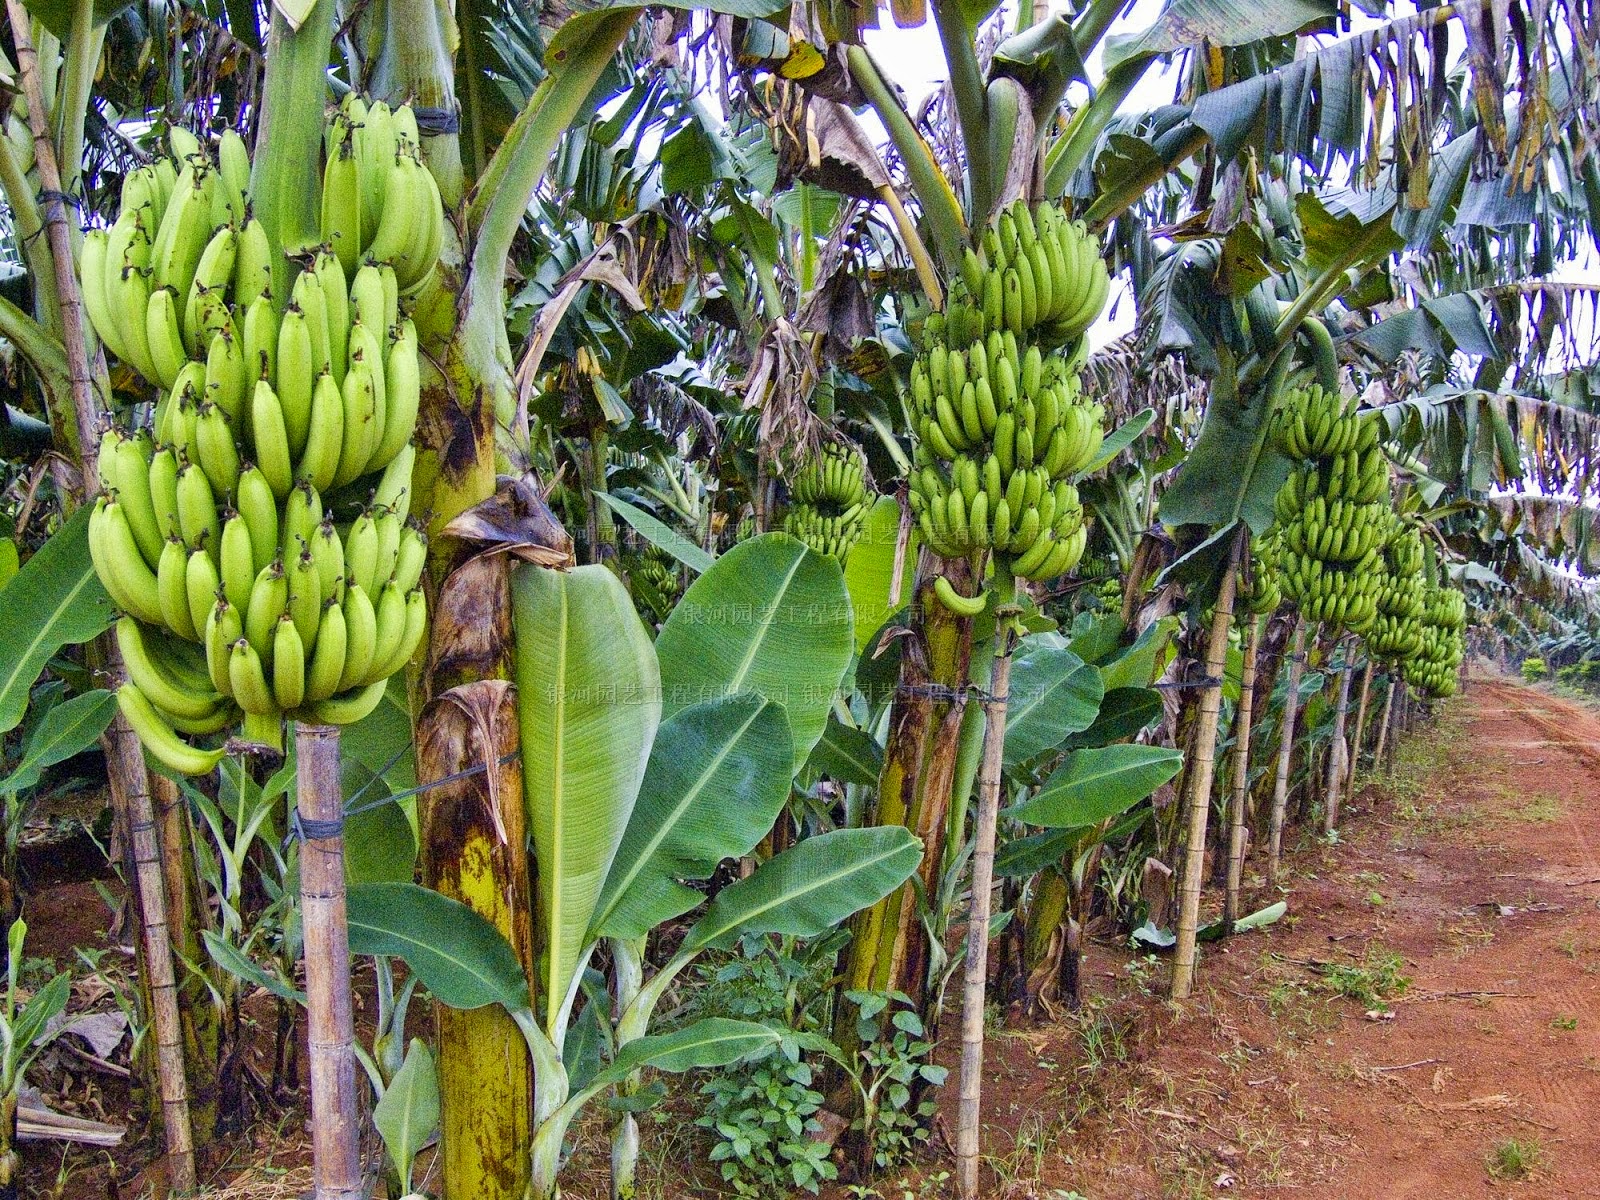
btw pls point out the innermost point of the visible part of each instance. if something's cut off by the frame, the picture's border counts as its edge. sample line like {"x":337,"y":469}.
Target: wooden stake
{"x":1383,"y":724}
{"x":74,"y":336}
{"x":1241,"y":775}
{"x":1201,"y":774}
{"x":335,"y":1128}
{"x":1336,"y":752}
{"x":1360,"y":737}
{"x":126,"y":770}
{"x":976,"y":971}
{"x":1280,"y":787}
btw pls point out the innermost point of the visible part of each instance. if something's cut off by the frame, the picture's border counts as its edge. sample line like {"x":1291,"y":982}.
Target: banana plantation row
{"x":546,"y":521}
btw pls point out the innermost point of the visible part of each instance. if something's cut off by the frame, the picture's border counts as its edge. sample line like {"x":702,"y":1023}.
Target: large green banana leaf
{"x":1053,"y":694}
{"x":459,"y":956}
{"x":770,"y":617}
{"x":1094,"y":785}
{"x":809,"y":889}
{"x":717,"y":777}
{"x":67,"y":729}
{"x":589,"y":701}
{"x":64,"y":605}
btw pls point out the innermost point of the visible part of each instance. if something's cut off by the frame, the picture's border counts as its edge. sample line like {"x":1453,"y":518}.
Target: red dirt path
{"x":1480,"y":868}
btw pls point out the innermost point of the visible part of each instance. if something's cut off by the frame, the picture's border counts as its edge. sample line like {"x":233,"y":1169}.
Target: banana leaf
{"x":589,"y":701}
{"x":1053,"y":694}
{"x":64,"y":604}
{"x":459,"y":956}
{"x":769,"y":617}
{"x":716,"y":781}
{"x":1093,"y":785}
{"x":809,"y":889}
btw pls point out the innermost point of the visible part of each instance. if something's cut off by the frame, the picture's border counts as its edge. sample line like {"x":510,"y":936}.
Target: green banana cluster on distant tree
{"x":1395,"y":634}
{"x":1260,"y":591}
{"x":1433,"y":668}
{"x":829,"y":501}
{"x":1332,"y":514}
{"x":653,"y":579}
{"x":1001,"y":424}
{"x":244,"y":594}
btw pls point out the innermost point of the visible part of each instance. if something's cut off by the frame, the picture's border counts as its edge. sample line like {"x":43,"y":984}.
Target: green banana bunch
{"x":1313,"y":423}
{"x":1433,"y":665}
{"x":653,"y":578}
{"x":1035,"y":274}
{"x":184,"y":274}
{"x":1000,"y":420}
{"x":1260,"y":591}
{"x":836,"y":477}
{"x":380,"y":204}
{"x":830,"y":501}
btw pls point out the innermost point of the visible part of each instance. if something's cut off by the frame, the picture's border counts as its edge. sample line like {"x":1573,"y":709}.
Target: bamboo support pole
{"x":1241,"y":775}
{"x":69,"y":301}
{"x":1336,"y":753}
{"x":1383,"y":725}
{"x":1201,"y":775}
{"x":976,"y":968}
{"x":125,"y":769}
{"x":1280,"y":787}
{"x":335,"y":1128}
{"x":1360,"y":737}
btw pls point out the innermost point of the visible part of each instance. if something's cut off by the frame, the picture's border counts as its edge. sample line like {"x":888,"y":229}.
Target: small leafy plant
{"x":891,"y":1074}
{"x":764,"y":1116}
{"x":1514,"y":1158}
{"x":1370,"y":982}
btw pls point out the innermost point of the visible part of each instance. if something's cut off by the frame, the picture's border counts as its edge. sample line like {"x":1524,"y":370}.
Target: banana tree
{"x":625,"y":806}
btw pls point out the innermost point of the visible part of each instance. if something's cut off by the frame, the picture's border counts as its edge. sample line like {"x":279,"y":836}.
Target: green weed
{"x":1515,"y":1158}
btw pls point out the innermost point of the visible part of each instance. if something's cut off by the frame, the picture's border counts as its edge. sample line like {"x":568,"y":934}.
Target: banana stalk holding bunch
{"x":242,"y":595}
{"x":830,"y":501}
{"x":1000,"y":422}
{"x":1333,"y":522}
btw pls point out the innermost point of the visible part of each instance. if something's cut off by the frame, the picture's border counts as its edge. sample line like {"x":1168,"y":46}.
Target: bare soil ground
{"x":1475,"y":875}
{"x":1423,"y":1024}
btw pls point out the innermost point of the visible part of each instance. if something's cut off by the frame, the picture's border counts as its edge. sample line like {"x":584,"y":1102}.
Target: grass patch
{"x":1514,"y":1158}
{"x":1372,"y":982}
{"x":1539,"y":810}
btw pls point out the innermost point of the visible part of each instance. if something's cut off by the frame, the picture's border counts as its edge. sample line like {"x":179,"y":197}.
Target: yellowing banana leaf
{"x":770,"y":617}
{"x":589,"y":701}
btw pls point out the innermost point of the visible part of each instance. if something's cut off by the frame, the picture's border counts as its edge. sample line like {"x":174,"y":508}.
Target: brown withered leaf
{"x":518,"y":521}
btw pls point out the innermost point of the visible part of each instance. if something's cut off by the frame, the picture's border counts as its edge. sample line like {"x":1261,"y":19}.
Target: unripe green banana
{"x":319,"y":464}
{"x":269,"y":597}
{"x":348,"y":707}
{"x":258,"y":508}
{"x":288,"y":665}
{"x":247,"y":677}
{"x":361,"y":633}
{"x":328,"y":656}
{"x":202,"y":583}
{"x":159,"y":738}
{"x":179,"y":697}
{"x":197,"y":512}
{"x":270,"y":439}
{"x":237,"y":568}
